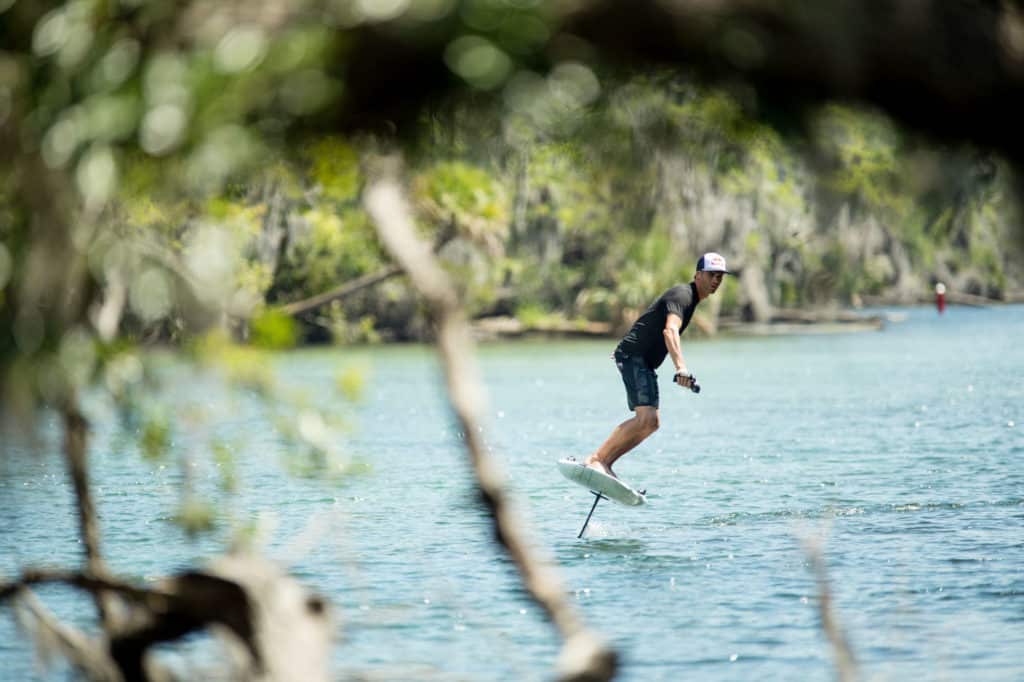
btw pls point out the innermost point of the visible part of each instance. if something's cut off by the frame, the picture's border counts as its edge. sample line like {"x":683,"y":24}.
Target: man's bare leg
{"x":624,"y":438}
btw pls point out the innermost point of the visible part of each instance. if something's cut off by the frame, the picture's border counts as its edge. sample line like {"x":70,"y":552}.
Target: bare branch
{"x":281,"y":630}
{"x":83,"y":581}
{"x":76,"y":431}
{"x":342,"y":291}
{"x":584,"y":656}
{"x":54,"y":636}
{"x":846,"y":663}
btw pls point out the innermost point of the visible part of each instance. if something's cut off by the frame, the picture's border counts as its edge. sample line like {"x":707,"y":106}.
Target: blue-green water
{"x":905,"y":447}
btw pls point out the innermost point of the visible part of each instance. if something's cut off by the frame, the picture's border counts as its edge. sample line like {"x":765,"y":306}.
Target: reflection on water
{"x":912,"y":473}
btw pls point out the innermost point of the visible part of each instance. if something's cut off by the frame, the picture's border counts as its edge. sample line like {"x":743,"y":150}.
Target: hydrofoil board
{"x":600,"y":482}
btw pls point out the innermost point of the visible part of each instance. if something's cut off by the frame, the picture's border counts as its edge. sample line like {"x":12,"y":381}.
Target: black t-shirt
{"x":645,"y":338}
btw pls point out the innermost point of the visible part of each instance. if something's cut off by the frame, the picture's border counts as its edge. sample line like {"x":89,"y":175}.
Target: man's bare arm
{"x":673,"y":323}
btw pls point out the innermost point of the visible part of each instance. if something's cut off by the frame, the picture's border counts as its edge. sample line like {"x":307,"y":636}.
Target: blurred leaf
{"x":335,"y":168}
{"x":155,"y":439}
{"x":351,"y":381}
{"x":224,"y":460}
{"x":243,"y":366}
{"x":273,"y":330}
{"x":195,"y":516}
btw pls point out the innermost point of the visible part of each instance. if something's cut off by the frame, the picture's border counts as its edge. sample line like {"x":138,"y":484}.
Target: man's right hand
{"x":687,"y":381}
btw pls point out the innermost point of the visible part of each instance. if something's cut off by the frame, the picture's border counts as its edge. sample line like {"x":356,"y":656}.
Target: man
{"x":653,"y":336}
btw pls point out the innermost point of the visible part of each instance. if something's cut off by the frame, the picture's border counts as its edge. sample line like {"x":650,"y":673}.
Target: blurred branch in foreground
{"x":584,"y":656}
{"x":279,"y":631}
{"x":845,"y":662}
{"x":76,"y":433}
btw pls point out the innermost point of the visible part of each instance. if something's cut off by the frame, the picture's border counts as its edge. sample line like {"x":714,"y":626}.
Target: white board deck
{"x":600,"y":482}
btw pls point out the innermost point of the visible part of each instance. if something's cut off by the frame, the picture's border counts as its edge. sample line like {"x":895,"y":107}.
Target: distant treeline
{"x":581,"y":205}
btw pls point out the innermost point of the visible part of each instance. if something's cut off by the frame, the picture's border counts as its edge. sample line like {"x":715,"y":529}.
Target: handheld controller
{"x":694,"y":386}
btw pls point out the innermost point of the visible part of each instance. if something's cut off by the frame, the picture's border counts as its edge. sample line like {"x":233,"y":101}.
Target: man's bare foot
{"x":599,"y":466}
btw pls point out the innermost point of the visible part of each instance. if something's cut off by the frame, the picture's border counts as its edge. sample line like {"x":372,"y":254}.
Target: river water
{"x":901,"y":451}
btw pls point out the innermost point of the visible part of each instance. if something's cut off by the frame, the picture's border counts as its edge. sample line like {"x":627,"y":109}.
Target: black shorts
{"x":640,"y":380}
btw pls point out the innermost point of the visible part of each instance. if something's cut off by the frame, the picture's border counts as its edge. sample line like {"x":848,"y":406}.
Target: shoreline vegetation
{"x":574,"y":232}
{"x":821,"y":320}
{"x":824,"y":320}
{"x":501,"y":328}
{"x":545,"y":225}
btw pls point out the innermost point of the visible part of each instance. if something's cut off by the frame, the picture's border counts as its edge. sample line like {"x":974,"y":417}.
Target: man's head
{"x":711,"y":270}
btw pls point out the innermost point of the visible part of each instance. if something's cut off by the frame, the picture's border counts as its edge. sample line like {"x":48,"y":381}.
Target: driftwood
{"x":795,"y":316}
{"x":952,"y":298}
{"x":584,"y":656}
{"x":277,"y":629}
{"x":343,"y":291}
{"x":503,"y":327}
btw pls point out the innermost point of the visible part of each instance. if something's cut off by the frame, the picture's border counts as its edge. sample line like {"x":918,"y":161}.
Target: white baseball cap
{"x":712,"y":262}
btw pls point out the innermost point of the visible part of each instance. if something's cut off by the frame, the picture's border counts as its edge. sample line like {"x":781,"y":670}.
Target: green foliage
{"x":650,"y":265}
{"x":351,"y":382}
{"x":863,"y":150}
{"x":360,"y":330}
{"x":243,"y":366}
{"x":195,"y":516}
{"x":466,"y":198}
{"x":729,"y":294}
{"x":593,"y":210}
{"x":531,"y":315}
{"x":224,"y":460}
{"x":334,"y":167}
{"x":155,"y":439}
{"x":337,"y":247}
{"x":274,"y":330}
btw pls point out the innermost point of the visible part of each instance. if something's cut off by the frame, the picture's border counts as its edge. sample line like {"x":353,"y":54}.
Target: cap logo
{"x":712,"y":262}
